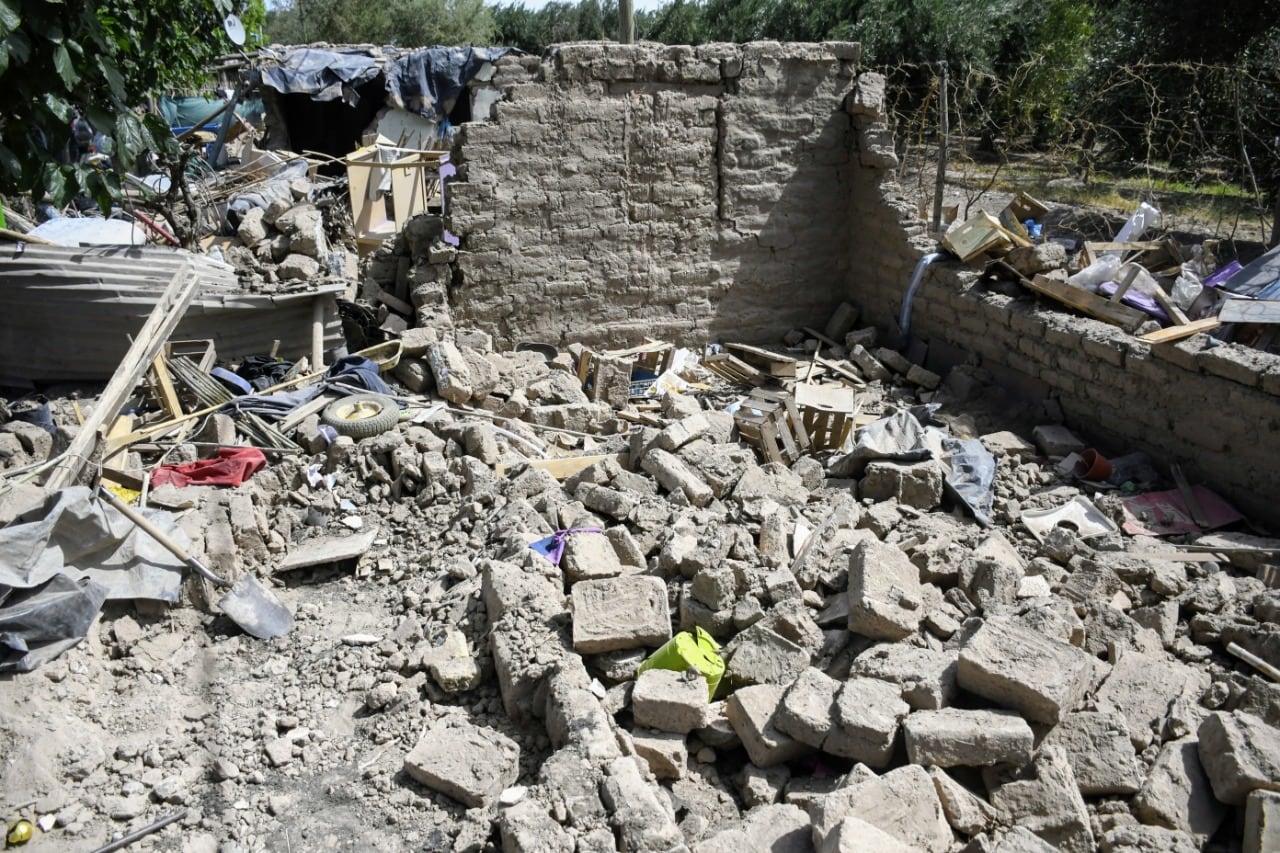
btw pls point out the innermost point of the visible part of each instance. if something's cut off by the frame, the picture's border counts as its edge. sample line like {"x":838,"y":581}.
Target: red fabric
{"x":231,"y":467}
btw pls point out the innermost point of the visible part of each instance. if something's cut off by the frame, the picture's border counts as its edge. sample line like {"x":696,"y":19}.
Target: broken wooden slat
{"x":567,"y":466}
{"x":1174,"y":312}
{"x":733,"y":369}
{"x":163,"y":388}
{"x":1177,"y":333}
{"x":1089,"y":303}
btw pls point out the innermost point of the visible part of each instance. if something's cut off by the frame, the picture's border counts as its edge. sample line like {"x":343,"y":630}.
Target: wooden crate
{"x":733,"y":369}
{"x":827,"y":413}
{"x":770,"y":422}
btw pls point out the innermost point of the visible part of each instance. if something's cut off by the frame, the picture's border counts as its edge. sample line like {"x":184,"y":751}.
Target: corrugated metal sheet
{"x":66,"y":314}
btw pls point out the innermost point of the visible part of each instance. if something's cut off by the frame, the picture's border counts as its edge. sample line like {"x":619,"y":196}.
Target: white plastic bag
{"x":1103,"y":269}
{"x":1143,"y":218}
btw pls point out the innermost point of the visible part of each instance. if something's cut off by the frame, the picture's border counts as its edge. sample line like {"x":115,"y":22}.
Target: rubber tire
{"x":362,"y":415}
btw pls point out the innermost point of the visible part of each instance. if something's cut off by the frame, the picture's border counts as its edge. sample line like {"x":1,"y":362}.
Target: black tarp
{"x":428,"y":81}
{"x":325,"y":75}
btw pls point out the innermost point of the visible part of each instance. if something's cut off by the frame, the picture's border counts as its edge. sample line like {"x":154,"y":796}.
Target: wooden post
{"x":626,"y":22}
{"x":943,"y":131}
{"x":317,"y":332}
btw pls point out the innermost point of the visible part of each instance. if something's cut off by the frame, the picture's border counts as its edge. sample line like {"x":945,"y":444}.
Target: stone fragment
{"x":761,"y":656}
{"x":1177,"y":793}
{"x":279,"y":751}
{"x":666,"y":752}
{"x":917,"y":484}
{"x":589,"y":556}
{"x":752,"y":712}
{"x":1019,"y":839}
{"x":855,"y":835}
{"x":885,"y":596}
{"x":953,"y":737}
{"x":452,"y":664}
{"x":620,"y":613}
{"x":252,"y":230}
{"x":528,"y":825}
{"x":1022,"y":669}
{"x":1143,"y":686}
{"x":1045,"y":799}
{"x":1054,"y":440}
{"x":966,"y":812}
{"x":1262,"y":822}
{"x":451,"y":372}
{"x":1097,"y":745}
{"x":469,"y":763}
{"x":807,"y":710}
{"x":869,"y":712}
{"x":298,"y":266}
{"x":683,"y":431}
{"x":1240,"y":753}
{"x":1009,"y":444}
{"x":902,"y":803}
{"x":1146,"y":839}
{"x":676,"y":476}
{"x":926,"y":677}
{"x":778,"y":828}
{"x":643,"y":820}
{"x":670,"y":701}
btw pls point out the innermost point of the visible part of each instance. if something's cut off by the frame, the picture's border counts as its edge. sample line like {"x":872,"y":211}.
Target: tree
{"x":100,"y":59}
{"x":406,"y":23}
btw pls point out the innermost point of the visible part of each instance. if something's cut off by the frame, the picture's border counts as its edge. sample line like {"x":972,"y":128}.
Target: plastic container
{"x":685,"y":650}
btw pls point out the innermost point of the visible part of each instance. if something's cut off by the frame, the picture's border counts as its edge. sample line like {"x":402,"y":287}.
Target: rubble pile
{"x":487,"y":591}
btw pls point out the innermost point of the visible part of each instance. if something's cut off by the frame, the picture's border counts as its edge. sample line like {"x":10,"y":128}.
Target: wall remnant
{"x":676,"y":192}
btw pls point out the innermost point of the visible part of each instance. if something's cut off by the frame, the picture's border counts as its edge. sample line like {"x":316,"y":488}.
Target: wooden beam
{"x":567,"y":466}
{"x":1177,"y":333}
{"x":1089,"y":303}
{"x":164,"y":318}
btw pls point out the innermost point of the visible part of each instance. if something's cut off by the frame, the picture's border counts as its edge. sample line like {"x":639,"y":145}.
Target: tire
{"x":361,"y":415}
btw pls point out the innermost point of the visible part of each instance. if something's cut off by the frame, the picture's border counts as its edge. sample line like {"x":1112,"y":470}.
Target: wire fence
{"x":1202,"y":138}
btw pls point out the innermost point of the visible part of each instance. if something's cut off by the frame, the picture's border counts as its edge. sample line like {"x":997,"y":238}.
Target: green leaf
{"x":58,"y":106}
{"x":19,"y":46}
{"x":10,"y":17}
{"x":98,"y":117}
{"x":132,"y":137}
{"x":115,"y":80}
{"x":102,"y":188}
{"x":4,"y":57}
{"x":56,"y":185}
{"x":62,"y":64}
{"x":9,"y":162}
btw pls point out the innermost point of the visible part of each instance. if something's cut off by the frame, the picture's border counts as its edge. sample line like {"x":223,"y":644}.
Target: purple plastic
{"x":1135,"y":299}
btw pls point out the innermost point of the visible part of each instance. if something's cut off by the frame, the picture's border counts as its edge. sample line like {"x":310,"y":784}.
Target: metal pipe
{"x":904,"y":315}
{"x":142,"y":833}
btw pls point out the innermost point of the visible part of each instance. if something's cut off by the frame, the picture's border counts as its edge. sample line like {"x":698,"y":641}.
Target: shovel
{"x":249,"y":604}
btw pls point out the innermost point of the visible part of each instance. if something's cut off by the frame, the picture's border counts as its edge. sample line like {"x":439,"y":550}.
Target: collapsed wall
{"x":676,"y":192}
{"x":690,"y":194}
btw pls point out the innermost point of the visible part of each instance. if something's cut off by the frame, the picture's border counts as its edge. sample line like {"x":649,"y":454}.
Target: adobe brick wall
{"x":692,"y":193}
{"x":676,"y":192}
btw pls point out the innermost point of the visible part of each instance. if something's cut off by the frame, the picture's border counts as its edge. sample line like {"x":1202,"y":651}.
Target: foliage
{"x":100,"y":59}
{"x":406,"y":23}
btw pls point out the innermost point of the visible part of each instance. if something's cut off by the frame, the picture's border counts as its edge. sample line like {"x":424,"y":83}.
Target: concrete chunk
{"x":1143,"y":686}
{"x":469,"y":763}
{"x":642,"y":818}
{"x":620,"y":613}
{"x":1262,"y":822}
{"x":965,"y":811}
{"x":451,"y":372}
{"x":954,"y":737}
{"x":885,"y":597}
{"x":917,"y":484}
{"x":807,"y":712}
{"x":683,"y":431}
{"x":1240,"y":753}
{"x":670,"y":701}
{"x":761,"y":656}
{"x":854,"y":835}
{"x":1022,"y":669}
{"x":589,"y":556}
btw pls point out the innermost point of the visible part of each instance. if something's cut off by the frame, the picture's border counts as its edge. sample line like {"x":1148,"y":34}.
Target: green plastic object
{"x":684,"y":650}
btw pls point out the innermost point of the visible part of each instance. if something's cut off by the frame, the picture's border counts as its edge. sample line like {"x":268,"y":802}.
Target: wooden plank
{"x":1250,"y":311}
{"x":733,"y":369}
{"x":826,"y":398}
{"x":1089,"y":303}
{"x":845,"y":371}
{"x":1174,"y":312}
{"x":777,"y":365}
{"x":164,"y":318}
{"x":1177,"y":333}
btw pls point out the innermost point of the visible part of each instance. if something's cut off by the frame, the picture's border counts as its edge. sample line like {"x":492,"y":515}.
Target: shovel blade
{"x":256,"y":609}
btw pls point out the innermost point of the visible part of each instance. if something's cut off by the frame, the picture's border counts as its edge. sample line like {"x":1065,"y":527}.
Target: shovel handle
{"x":154,"y":532}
